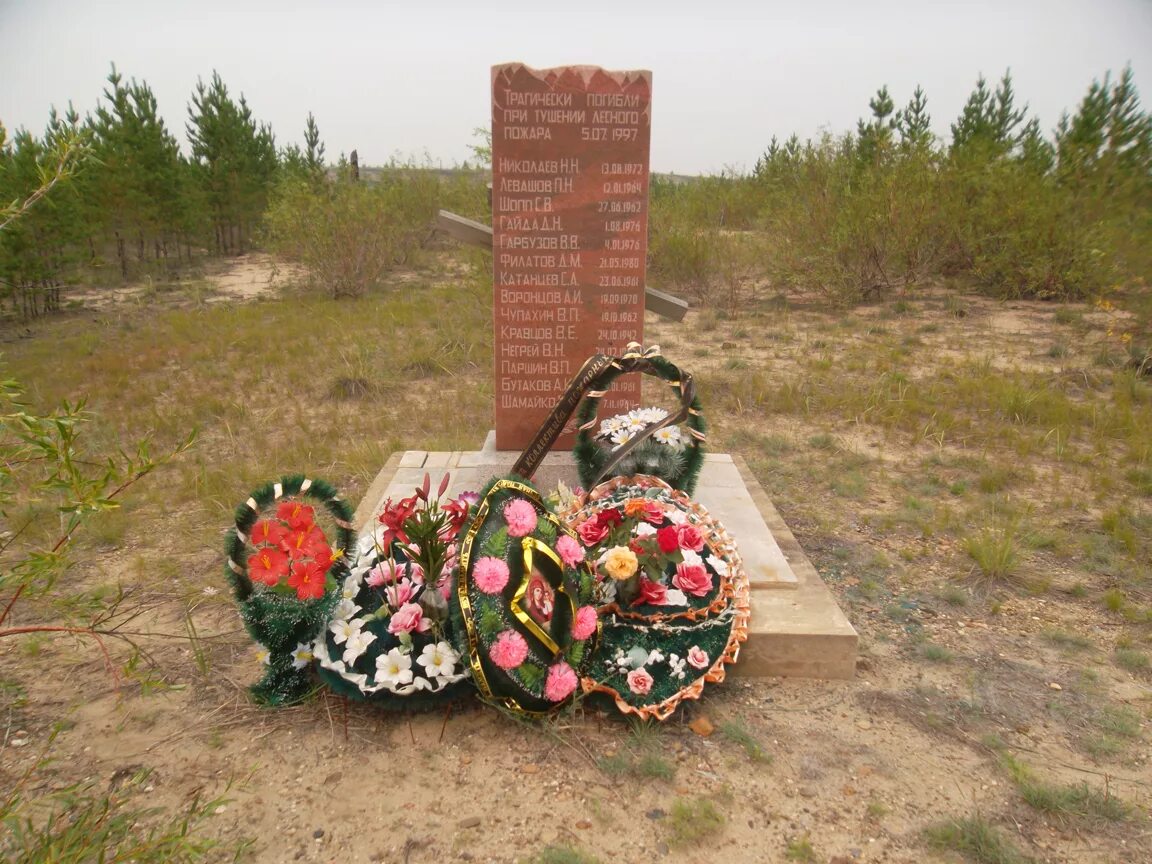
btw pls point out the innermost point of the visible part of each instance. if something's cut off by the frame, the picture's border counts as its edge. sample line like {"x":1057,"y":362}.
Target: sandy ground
{"x":857,"y":768}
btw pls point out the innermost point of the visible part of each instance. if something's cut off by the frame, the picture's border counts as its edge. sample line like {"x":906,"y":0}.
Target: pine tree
{"x":235,"y":160}
{"x":987,"y":126}
{"x":914,"y":123}
{"x":875,"y":135}
{"x":139,"y":181}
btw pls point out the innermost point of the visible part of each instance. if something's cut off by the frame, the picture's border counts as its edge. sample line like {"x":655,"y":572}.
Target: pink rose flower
{"x":592,"y":531}
{"x":400,"y":593}
{"x":520,"y":516}
{"x":585,"y":624}
{"x":491,"y":575}
{"x":570,"y":552}
{"x":509,"y":650}
{"x":407,"y":619}
{"x":561,"y":682}
{"x":640,"y":681}
{"x":689,"y":537}
{"x":698,"y":657}
{"x":692,"y":579}
{"x":652,"y":593}
{"x":653,"y":513}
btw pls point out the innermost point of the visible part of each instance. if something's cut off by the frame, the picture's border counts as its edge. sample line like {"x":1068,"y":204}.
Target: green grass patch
{"x":692,"y":821}
{"x":976,"y":839}
{"x":738,"y":733}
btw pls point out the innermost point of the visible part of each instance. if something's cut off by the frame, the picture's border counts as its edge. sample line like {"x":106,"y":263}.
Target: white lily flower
{"x":302,"y":655}
{"x":439,"y":660}
{"x":345,"y":609}
{"x":357,"y":644}
{"x":351,"y":588}
{"x":342,"y":630}
{"x":394,"y":668}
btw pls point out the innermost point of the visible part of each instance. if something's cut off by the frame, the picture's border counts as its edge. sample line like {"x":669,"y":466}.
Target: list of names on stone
{"x":570,"y":226}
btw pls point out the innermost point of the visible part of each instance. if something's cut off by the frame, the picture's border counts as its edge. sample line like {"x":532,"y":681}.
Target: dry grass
{"x":978,"y":502}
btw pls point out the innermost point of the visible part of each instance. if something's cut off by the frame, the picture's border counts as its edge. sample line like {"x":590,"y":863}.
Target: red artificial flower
{"x":652,"y":593}
{"x":394,"y":517}
{"x":268,"y":565}
{"x":308,"y":580}
{"x":324,"y":557}
{"x":668,"y":539}
{"x":296,"y":514}
{"x":268,"y":531}
{"x":610,"y":518}
{"x":591,"y":531}
{"x":306,"y":543}
{"x":457,"y":511}
{"x":637,"y":546}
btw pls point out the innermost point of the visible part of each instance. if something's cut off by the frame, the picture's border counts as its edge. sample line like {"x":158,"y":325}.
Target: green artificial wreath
{"x":297,"y":571}
{"x":522,"y":609}
{"x":678,"y":466}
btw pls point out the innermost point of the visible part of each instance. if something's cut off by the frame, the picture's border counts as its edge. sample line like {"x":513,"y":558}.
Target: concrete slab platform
{"x":797,"y":629}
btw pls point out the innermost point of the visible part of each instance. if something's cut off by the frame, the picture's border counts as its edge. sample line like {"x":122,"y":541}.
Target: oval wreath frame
{"x":591,"y":457}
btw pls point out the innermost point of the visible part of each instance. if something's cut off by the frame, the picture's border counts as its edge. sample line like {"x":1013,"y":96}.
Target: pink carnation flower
{"x":585,"y":624}
{"x":400,"y":593}
{"x":408,"y":618}
{"x":561,"y":682}
{"x":509,"y":650}
{"x":520,"y":516}
{"x":640,"y":681}
{"x":382,"y":574}
{"x":491,"y":575}
{"x":570,"y":552}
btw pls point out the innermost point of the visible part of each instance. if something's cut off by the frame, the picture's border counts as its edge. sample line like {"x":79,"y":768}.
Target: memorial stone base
{"x":797,"y":629}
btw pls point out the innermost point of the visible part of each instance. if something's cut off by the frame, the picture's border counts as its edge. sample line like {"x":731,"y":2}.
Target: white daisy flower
{"x":669,"y":435}
{"x":621,"y":436}
{"x":263,"y":655}
{"x":394,"y":668}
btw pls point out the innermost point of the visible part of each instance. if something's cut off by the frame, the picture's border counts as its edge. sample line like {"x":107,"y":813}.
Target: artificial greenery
{"x":277,"y":621}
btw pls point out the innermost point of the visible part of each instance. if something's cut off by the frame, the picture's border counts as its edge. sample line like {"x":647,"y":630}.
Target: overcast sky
{"x":412,"y":78}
